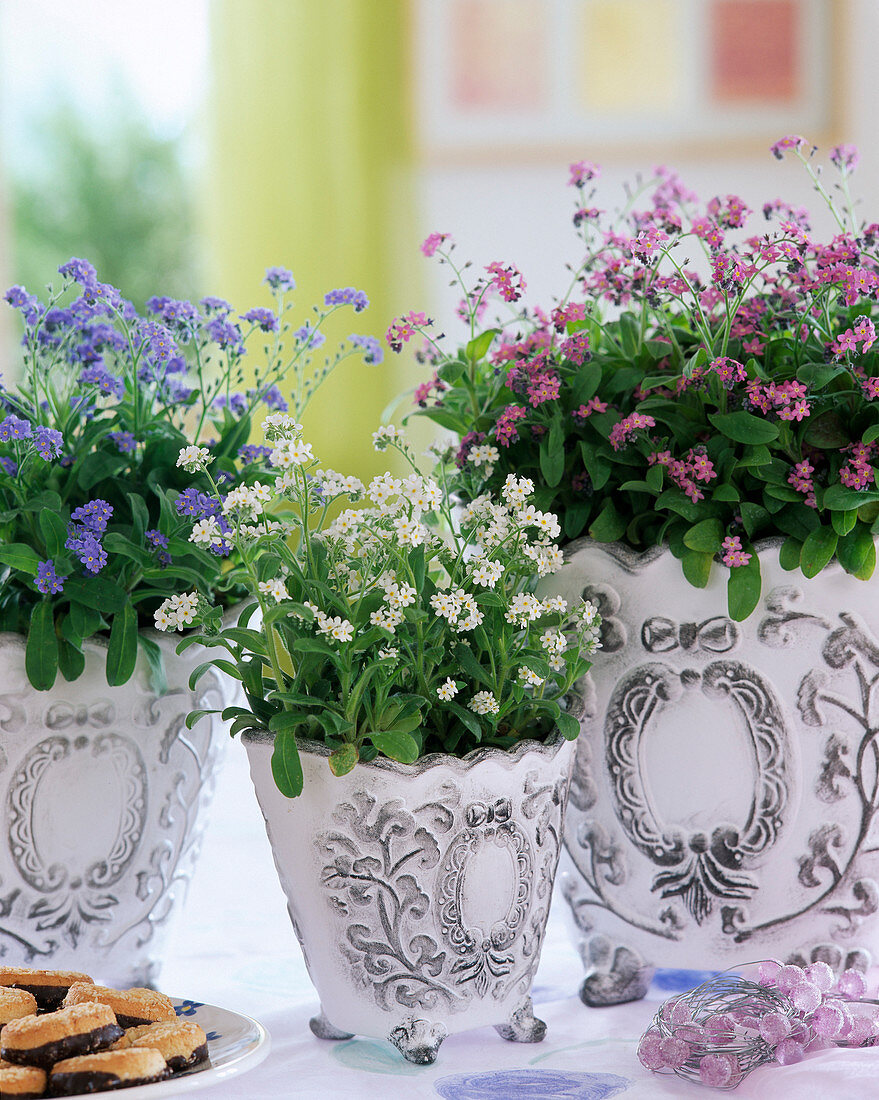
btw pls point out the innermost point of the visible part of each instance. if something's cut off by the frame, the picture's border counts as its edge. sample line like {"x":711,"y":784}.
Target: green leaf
{"x":789,"y":554}
{"x":552,"y":455}
{"x":20,"y":556}
{"x":753,"y":517}
{"x":97,"y":466}
{"x":467,"y":718}
{"x":726,"y":493}
{"x":398,"y":746}
{"x":866,"y":570}
{"x":47,"y":499}
{"x":608,"y":525}
{"x":758,"y":455}
{"x":843,"y":522}
{"x":122,"y":649}
{"x":744,"y":427}
{"x":41,"y":652}
{"x":96,"y":592}
{"x":470,"y":665}
{"x":480,"y":344}
{"x":54,"y":532}
{"x":71,"y":660}
{"x":156,"y":661}
{"x":85,"y":621}
{"x":827,"y":431}
{"x":344,"y":759}
{"x":870,"y":434}
{"x":743,"y":589}
{"x":855,"y":548}
{"x":817,"y":551}
{"x":696,"y":567}
{"x":140,"y":516}
{"x":842,"y":498}
{"x":196,"y":716}
{"x":286,"y":764}
{"x":630,"y":331}
{"x":568,"y":726}
{"x":597,"y":467}
{"x":654,"y":477}
{"x":705,"y":536}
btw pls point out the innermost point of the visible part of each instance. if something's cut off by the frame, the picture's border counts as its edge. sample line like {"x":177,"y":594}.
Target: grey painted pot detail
{"x":420,"y":893}
{"x":726,"y":785}
{"x":104,"y":792}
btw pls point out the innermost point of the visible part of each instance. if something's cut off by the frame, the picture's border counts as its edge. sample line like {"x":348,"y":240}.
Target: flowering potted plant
{"x":94,"y":514}
{"x":410,"y":720}
{"x":702,"y":402}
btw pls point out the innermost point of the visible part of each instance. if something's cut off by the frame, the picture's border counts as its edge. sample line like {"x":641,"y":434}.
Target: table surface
{"x":234,"y":947}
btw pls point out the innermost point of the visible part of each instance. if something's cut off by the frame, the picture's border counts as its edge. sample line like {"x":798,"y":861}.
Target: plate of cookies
{"x":62,"y":1034}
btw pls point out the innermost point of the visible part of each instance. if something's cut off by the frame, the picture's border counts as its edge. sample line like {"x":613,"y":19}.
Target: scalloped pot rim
{"x":507,"y":757}
{"x":633,"y":561}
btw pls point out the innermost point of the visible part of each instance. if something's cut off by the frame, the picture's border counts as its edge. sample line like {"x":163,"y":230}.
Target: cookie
{"x":23,"y":1082}
{"x":111,"y":1069}
{"x":48,"y":986}
{"x":15,"y":1003}
{"x":182,"y":1043}
{"x":44,"y":1040}
{"x":133,"y":1007}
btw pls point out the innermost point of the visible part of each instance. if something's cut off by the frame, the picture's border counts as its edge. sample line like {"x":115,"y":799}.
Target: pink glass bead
{"x":788,"y":1051}
{"x":821,"y":974}
{"x":774,"y":1027}
{"x":828,"y":1020}
{"x":861,"y":1029}
{"x":674,"y":1052}
{"x":680,"y":1013}
{"x":690,"y":1033}
{"x":746,"y":1020}
{"x":768,"y":969}
{"x":718,"y":1070}
{"x":720,"y":1027}
{"x":649,"y":1051}
{"x":806,"y":996}
{"x":719,"y":1021}
{"x":787,"y":977}
{"x":852,"y":983}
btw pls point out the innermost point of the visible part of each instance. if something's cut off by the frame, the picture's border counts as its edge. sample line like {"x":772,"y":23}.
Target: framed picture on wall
{"x":508,"y":78}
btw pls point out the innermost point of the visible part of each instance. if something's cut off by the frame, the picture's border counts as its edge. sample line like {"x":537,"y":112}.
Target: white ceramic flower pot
{"x":420,"y":893}
{"x":104,"y":791}
{"x":726,"y":785}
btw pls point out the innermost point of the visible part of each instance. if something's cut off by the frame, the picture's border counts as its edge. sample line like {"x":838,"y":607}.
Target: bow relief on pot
{"x":445,"y":901}
{"x":98,"y":833}
{"x":716,"y":635}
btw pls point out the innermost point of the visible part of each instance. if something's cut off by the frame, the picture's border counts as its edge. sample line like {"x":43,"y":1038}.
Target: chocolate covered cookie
{"x":49,"y":987}
{"x":44,"y":1040}
{"x":111,"y":1069}
{"x":22,"y":1082}
{"x":133,"y":1007}
{"x":182,"y":1043}
{"x":15,"y":1003}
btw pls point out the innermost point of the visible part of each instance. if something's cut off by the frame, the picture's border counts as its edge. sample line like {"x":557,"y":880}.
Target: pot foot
{"x":523,"y":1026}
{"x":418,"y":1041}
{"x":323,"y":1029}
{"x":614,"y":977}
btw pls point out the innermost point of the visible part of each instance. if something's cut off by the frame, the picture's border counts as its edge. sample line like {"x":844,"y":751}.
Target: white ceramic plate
{"x":236,"y":1043}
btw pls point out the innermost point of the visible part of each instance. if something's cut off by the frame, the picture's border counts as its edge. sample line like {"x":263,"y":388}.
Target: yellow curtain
{"x":310,"y":168}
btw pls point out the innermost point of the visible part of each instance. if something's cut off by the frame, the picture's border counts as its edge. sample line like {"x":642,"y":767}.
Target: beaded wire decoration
{"x":717,"y":1033}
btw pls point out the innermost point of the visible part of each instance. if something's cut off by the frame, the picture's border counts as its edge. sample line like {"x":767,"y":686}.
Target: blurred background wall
{"x":185,"y":145}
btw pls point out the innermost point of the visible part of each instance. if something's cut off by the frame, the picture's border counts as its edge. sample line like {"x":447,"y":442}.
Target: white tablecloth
{"x":234,"y":948}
